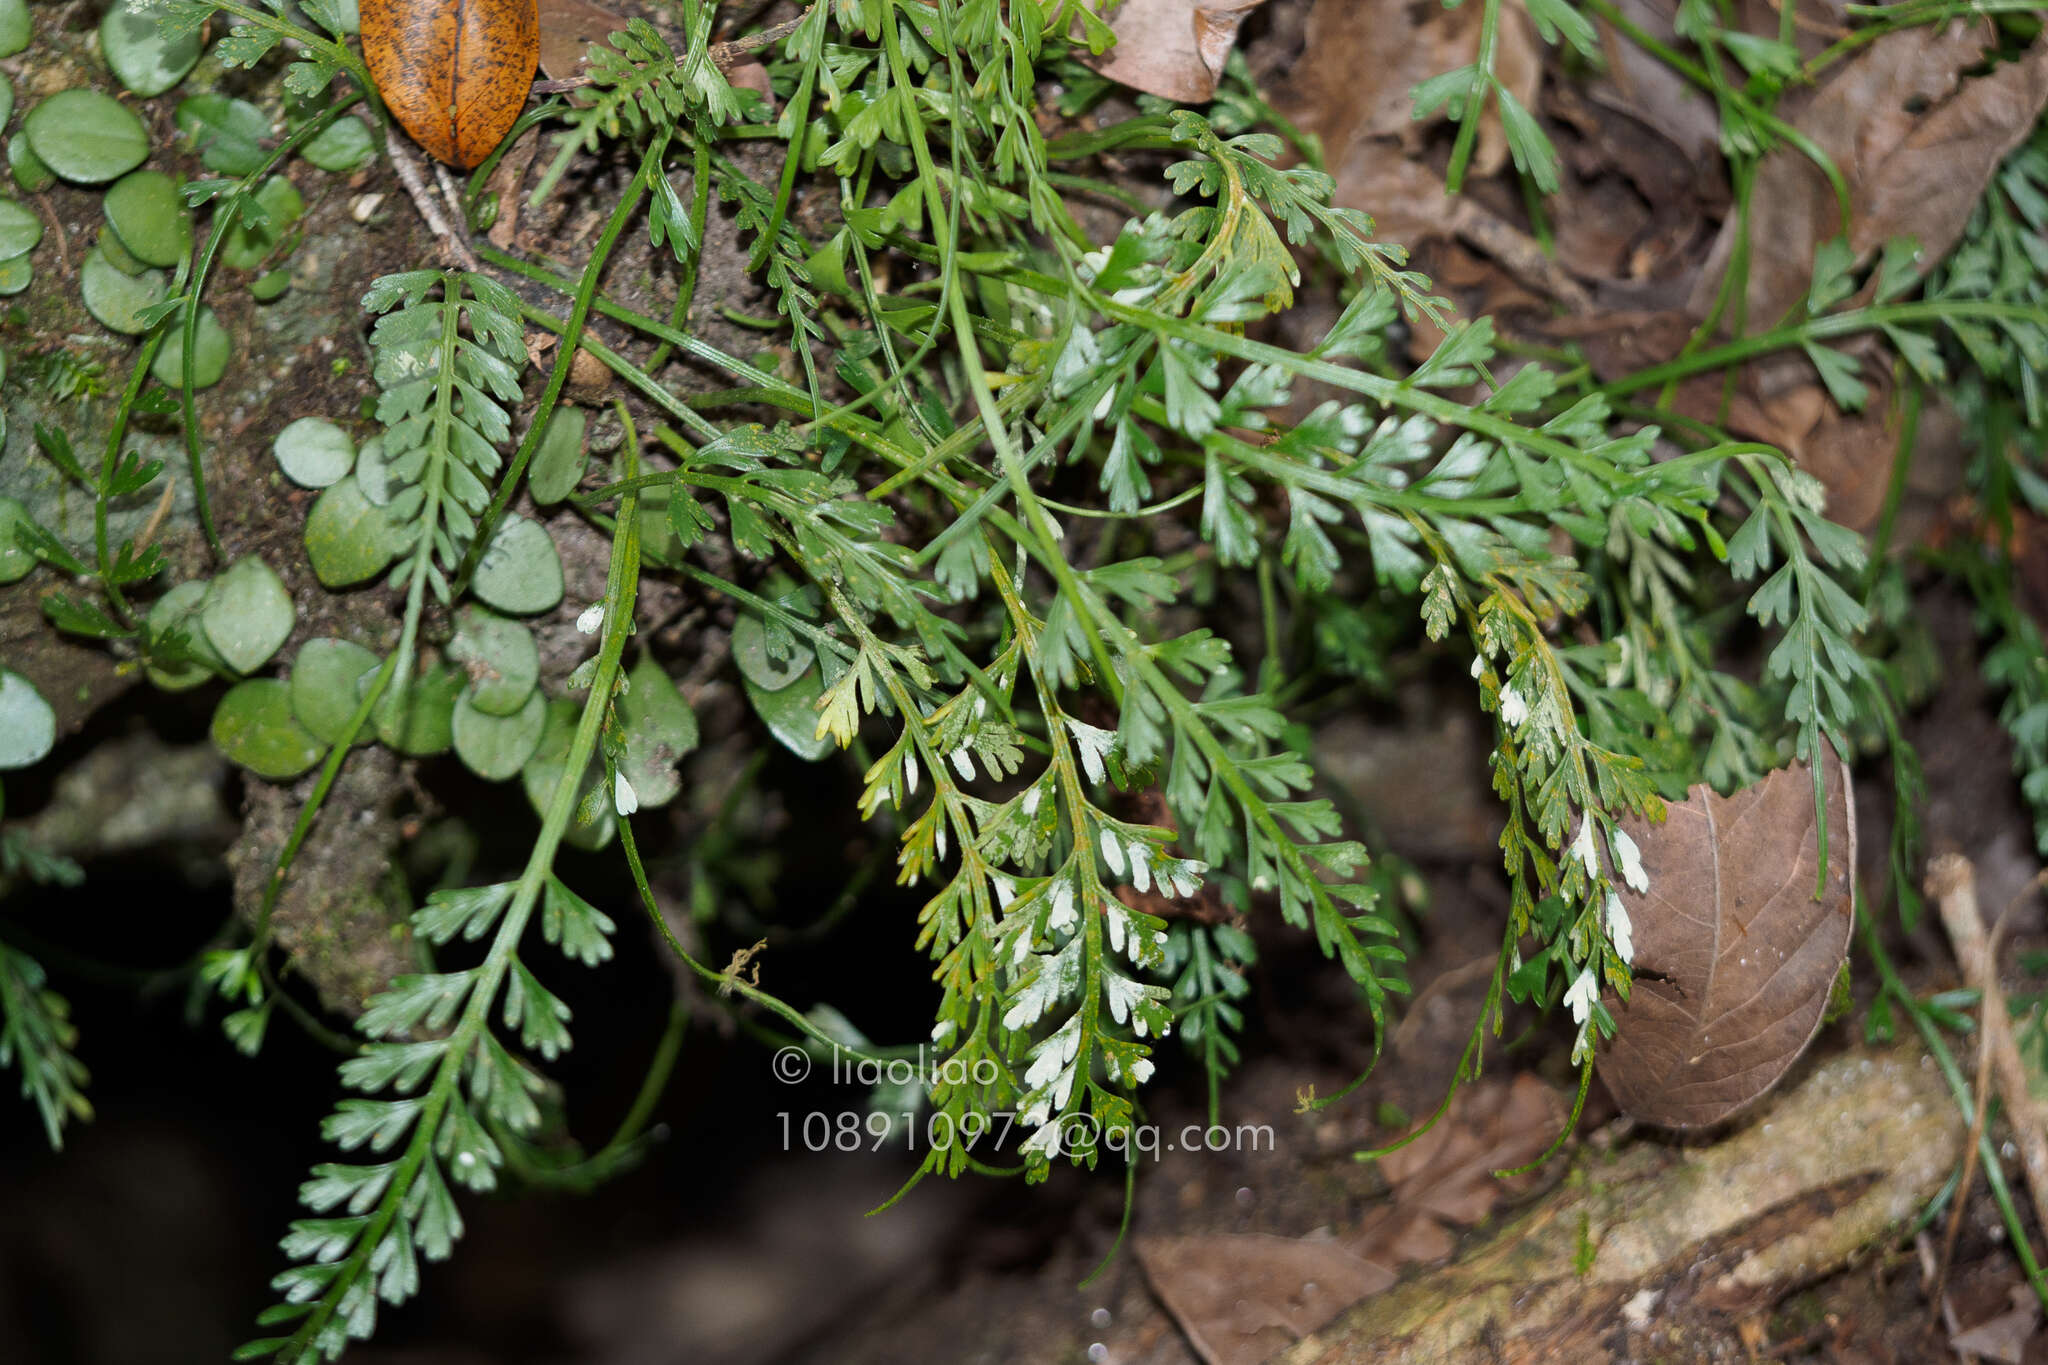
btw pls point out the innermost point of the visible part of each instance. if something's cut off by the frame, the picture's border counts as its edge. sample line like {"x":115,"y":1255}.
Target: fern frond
{"x":447,"y":365}
{"x":37,"y":1036}
{"x":640,"y":84}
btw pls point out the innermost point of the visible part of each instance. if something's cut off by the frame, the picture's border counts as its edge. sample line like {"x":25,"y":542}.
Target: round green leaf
{"x":228,"y":133}
{"x":20,"y":229}
{"x":496,"y":748}
{"x":29,"y":171}
{"x":372,"y":474}
{"x":28,"y":727}
{"x":14,"y":26}
{"x":327,"y":686}
{"x":660,"y":729}
{"x":15,"y":562}
{"x":86,"y":137}
{"x":501,"y":658}
{"x":519,"y":573}
{"x":592,"y":822}
{"x":115,"y":298}
{"x":342,"y":146}
{"x":246,"y":246}
{"x":6,"y":100}
{"x":15,"y":274}
{"x":558,"y":464}
{"x":210,"y":350}
{"x":348,"y":538}
{"x":177,"y":612}
{"x":248,"y":614}
{"x":791,"y":714}
{"x":420,"y":720}
{"x":314,"y":453}
{"x":145,"y":212}
{"x":118,"y":256}
{"x":269,"y":285}
{"x":254,"y":726}
{"x":144,"y":60}
{"x":762,"y":665}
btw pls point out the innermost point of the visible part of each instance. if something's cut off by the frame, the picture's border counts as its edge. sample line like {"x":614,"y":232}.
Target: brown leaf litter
{"x":1240,"y":1297}
{"x":1917,"y":143}
{"x":1734,"y":955}
{"x":1173,"y":48}
{"x":1913,"y":122}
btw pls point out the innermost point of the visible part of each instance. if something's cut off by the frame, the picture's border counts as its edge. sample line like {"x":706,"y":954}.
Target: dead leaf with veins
{"x":1175,"y":49}
{"x":1241,"y":1297}
{"x":455,"y":76}
{"x":1917,"y":142}
{"x":1362,"y":60}
{"x":1734,"y":956}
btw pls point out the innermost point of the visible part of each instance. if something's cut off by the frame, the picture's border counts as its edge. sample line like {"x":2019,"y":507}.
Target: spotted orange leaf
{"x":455,"y":73}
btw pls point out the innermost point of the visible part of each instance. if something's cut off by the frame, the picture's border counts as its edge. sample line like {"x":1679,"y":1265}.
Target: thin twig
{"x":1925,"y":1249}
{"x":723,"y":55}
{"x":422,"y":194}
{"x":1952,"y":881}
{"x":156,"y":517}
{"x":452,"y":196}
{"x":1987,"y":986}
{"x":63,"y":239}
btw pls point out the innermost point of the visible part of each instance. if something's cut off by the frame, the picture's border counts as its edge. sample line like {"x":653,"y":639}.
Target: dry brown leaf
{"x":1363,"y":58}
{"x":1916,"y":142}
{"x":1598,"y":229}
{"x":1173,"y":48}
{"x":1408,"y":205}
{"x":1679,"y":1234}
{"x":1928,"y":188}
{"x":1734,"y":957}
{"x":567,"y":29}
{"x":1642,"y":86}
{"x":2005,"y":1337}
{"x":1352,"y":88}
{"x":1241,"y":1297}
{"x":1448,"y":1171}
{"x":1780,"y":401}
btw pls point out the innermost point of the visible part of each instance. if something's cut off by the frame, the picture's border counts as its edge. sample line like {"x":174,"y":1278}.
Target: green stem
{"x":110,"y":459}
{"x":1825,"y":328}
{"x":340,"y":54}
{"x":224,"y":218}
{"x":1895,"y":489}
{"x":1475,"y":99}
{"x":700,"y":210}
{"x":1663,"y":52}
{"x":337,"y":755}
{"x":565,"y":356}
{"x":658,"y":1071}
{"x":620,"y":589}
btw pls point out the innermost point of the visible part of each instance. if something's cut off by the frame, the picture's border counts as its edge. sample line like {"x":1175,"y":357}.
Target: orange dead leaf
{"x":455,"y":75}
